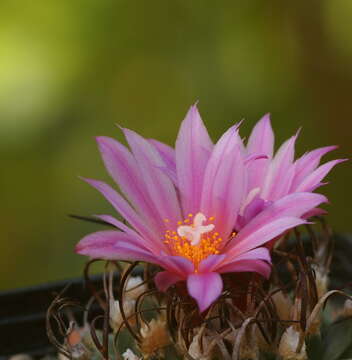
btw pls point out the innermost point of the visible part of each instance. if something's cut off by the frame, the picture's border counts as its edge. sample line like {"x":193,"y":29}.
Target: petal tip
{"x":205,"y":289}
{"x":102,"y":140}
{"x":266,"y":118}
{"x":84,"y":178}
{"x":297,"y":133}
{"x":332,"y":147}
{"x":88,"y":180}
{"x":119,"y":126}
{"x":80,"y":249}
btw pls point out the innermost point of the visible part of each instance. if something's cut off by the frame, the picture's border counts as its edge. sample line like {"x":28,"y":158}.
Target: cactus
{"x":294,"y":315}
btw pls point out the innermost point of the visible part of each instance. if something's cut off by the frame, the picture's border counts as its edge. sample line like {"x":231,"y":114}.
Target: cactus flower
{"x":203,"y":209}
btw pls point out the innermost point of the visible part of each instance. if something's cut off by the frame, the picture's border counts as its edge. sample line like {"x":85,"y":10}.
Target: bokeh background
{"x":72,"y":69}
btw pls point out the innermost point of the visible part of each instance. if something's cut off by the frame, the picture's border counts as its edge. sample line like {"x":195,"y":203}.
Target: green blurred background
{"x":72,"y":69}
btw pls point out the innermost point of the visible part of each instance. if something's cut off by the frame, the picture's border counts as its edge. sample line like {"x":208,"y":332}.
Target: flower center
{"x":194,"y":241}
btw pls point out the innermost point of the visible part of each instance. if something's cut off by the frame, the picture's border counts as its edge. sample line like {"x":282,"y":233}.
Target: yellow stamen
{"x":208,"y":244}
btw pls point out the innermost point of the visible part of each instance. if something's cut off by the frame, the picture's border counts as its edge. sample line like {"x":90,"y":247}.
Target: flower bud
{"x":134,"y":287}
{"x":289,"y":343}
{"x":154,"y":337}
{"x":198,"y":348}
{"x":129,"y":355}
{"x":321,"y":280}
{"x":116,"y":318}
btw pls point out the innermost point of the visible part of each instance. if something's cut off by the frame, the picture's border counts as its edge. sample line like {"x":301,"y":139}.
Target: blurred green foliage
{"x":70,"y":70}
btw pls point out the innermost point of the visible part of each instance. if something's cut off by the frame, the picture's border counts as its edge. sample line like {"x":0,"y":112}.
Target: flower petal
{"x":258,"y":266}
{"x":193,"y":148}
{"x":295,"y":205}
{"x":290,"y":207}
{"x":314,"y":212}
{"x":166,"y":152}
{"x":308,"y":163}
{"x":159,"y":186}
{"x":169,"y":173}
{"x":178,"y":265}
{"x":123,"y":208}
{"x":314,"y":179}
{"x":123,"y":168}
{"x":118,"y":224}
{"x":114,"y":245}
{"x":164,"y":279}
{"x":204,"y":288}
{"x":252,"y":158}
{"x":221,"y":197}
{"x":251,"y":210}
{"x":261,"y":235}
{"x":260,"y":253}
{"x":210,"y":263}
{"x":280,"y":172}
{"x":261,"y":141}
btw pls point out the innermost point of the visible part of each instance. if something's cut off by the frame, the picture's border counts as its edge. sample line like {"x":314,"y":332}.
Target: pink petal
{"x":204,"y":288}
{"x":314,"y":212}
{"x":312,"y":180}
{"x":251,"y":210}
{"x":114,"y":245}
{"x":260,"y":253}
{"x":290,"y":207}
{"x":261,"y":141}
{"x":170,"y":174}
{"x":193,"y":148}
{"x":167,"y":153}
{"x":178,"y":265}
{"x":164,"y":279}
{"x":308,"y":163}
{"x":251,"y":158}
{"x":118,"y":224}
{"x":280,"y":172}
{"x":123,"y":168}
{"x":258,"y":266}
{"x":295,"y":205}
{"x":318,"y":185}
{"x":160,"y":188}
{"x":254,"y":208}
{"x":210,"y":263}
{"x":224,"y":183}
{"x":261,"y":235}
{"x":123,"y":208}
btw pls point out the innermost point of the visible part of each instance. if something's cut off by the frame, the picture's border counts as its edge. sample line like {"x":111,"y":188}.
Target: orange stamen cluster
{"x":181,"y":246}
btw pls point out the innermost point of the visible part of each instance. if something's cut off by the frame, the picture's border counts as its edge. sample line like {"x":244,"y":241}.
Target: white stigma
{"x":194,"y":232}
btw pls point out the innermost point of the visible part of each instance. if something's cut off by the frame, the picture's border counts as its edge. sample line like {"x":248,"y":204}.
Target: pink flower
{"x":184,"y":205}
{"x":273,"y":177}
